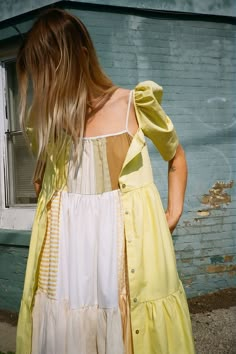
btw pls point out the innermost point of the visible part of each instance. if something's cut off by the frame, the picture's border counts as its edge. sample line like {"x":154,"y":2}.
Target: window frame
{"x":16,"y":216}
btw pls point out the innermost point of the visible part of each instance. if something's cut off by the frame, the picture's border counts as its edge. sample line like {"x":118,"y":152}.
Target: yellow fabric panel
{"x":159,"y":310}
{"x":103,"y":182}
{"x":50,"y":250}
{"x":152,"y":119}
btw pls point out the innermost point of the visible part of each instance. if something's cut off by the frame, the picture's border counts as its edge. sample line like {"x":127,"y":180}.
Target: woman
{"x":101,"y":274}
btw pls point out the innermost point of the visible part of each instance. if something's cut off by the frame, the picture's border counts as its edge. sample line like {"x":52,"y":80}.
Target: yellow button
{"x":123,"y":185}
{"x":126,"y":212}
{"x":132,"y":270}
{"x":135,"y":299}
{"x":137,"y":331}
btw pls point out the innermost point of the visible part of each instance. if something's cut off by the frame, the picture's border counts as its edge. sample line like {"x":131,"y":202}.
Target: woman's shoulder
{"x":121,"y":95}
{"x":123,"y":105}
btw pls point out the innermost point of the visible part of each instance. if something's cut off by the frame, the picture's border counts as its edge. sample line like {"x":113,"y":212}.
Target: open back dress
{"x":82,"y":304}
{"x":101,"y":274}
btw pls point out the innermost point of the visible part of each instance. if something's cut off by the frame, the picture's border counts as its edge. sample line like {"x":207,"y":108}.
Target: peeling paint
{"x":204,"y":212}
{"x":220,"y":268}
{"x":215,"y":199}
{"x":217,"y":195}
{"x":217,"y":259}
{"x":228,"y":258}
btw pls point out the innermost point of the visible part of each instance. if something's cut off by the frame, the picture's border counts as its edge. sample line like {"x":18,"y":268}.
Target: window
{"x":20,"y":162}
{"x":17,"y":196}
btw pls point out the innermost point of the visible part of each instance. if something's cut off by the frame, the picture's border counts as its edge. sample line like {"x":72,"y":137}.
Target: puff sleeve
{"x":153,"y":120}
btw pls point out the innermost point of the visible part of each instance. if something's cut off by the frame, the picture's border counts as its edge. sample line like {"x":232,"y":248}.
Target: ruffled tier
{"x":59,"y":329}
{"x":167,"y":325}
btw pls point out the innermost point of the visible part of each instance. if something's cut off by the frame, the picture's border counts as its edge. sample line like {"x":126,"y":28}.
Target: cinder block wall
{"x":193,"y":58}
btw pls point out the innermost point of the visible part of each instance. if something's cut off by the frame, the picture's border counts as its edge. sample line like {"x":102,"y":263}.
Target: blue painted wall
{"x":193,"y":58}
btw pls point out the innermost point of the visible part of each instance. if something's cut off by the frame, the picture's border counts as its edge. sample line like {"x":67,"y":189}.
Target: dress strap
{"x":128,"y":111}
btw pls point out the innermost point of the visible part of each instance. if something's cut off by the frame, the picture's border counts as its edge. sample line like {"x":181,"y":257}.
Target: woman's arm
{"x":177,"y":181}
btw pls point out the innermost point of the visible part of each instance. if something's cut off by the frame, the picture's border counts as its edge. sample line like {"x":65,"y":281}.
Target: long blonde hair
{"x":59,"y":58}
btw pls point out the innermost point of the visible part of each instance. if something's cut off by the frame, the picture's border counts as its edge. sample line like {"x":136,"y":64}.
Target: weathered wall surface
{"x":194,"y":60}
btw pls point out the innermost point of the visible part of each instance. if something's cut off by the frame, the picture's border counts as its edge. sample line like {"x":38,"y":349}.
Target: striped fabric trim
{"x":103,"y":182}
{"x":50,"y":254}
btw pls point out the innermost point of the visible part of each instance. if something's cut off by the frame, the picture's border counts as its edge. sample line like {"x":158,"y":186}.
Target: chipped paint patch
{"x":221,"y":268}
{"x":228,"y":258}
{"x":204,"y":212}
{"x":217,"y":259}
{"x":214,"y":200}
{"x":217,"y":195}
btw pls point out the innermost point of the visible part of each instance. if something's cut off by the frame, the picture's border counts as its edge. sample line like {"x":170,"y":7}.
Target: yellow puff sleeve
{"x":153,"y":120}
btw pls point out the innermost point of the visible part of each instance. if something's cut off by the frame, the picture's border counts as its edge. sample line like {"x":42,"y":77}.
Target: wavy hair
{"x":59,"y":59}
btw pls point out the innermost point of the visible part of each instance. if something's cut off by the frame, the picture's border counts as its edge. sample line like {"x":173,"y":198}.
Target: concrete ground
{"x":7,"y":337}
{"x":214,"y":332}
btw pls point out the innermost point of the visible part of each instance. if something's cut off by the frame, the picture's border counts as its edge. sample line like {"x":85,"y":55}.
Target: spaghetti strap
{"x":128,"y":111}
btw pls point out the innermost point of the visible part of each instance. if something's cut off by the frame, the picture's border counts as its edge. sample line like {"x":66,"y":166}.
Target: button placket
{"x":136,"y":307}
{"x":130,"y":238}
{"x":130,"y":250}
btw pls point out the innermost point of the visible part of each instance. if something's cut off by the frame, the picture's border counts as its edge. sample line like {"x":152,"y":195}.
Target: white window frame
{"x":17,"y":217}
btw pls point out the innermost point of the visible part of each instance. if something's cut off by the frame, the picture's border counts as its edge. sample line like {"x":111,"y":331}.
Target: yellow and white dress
{"x":101,"y":275}
{"x":81,"y":305}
